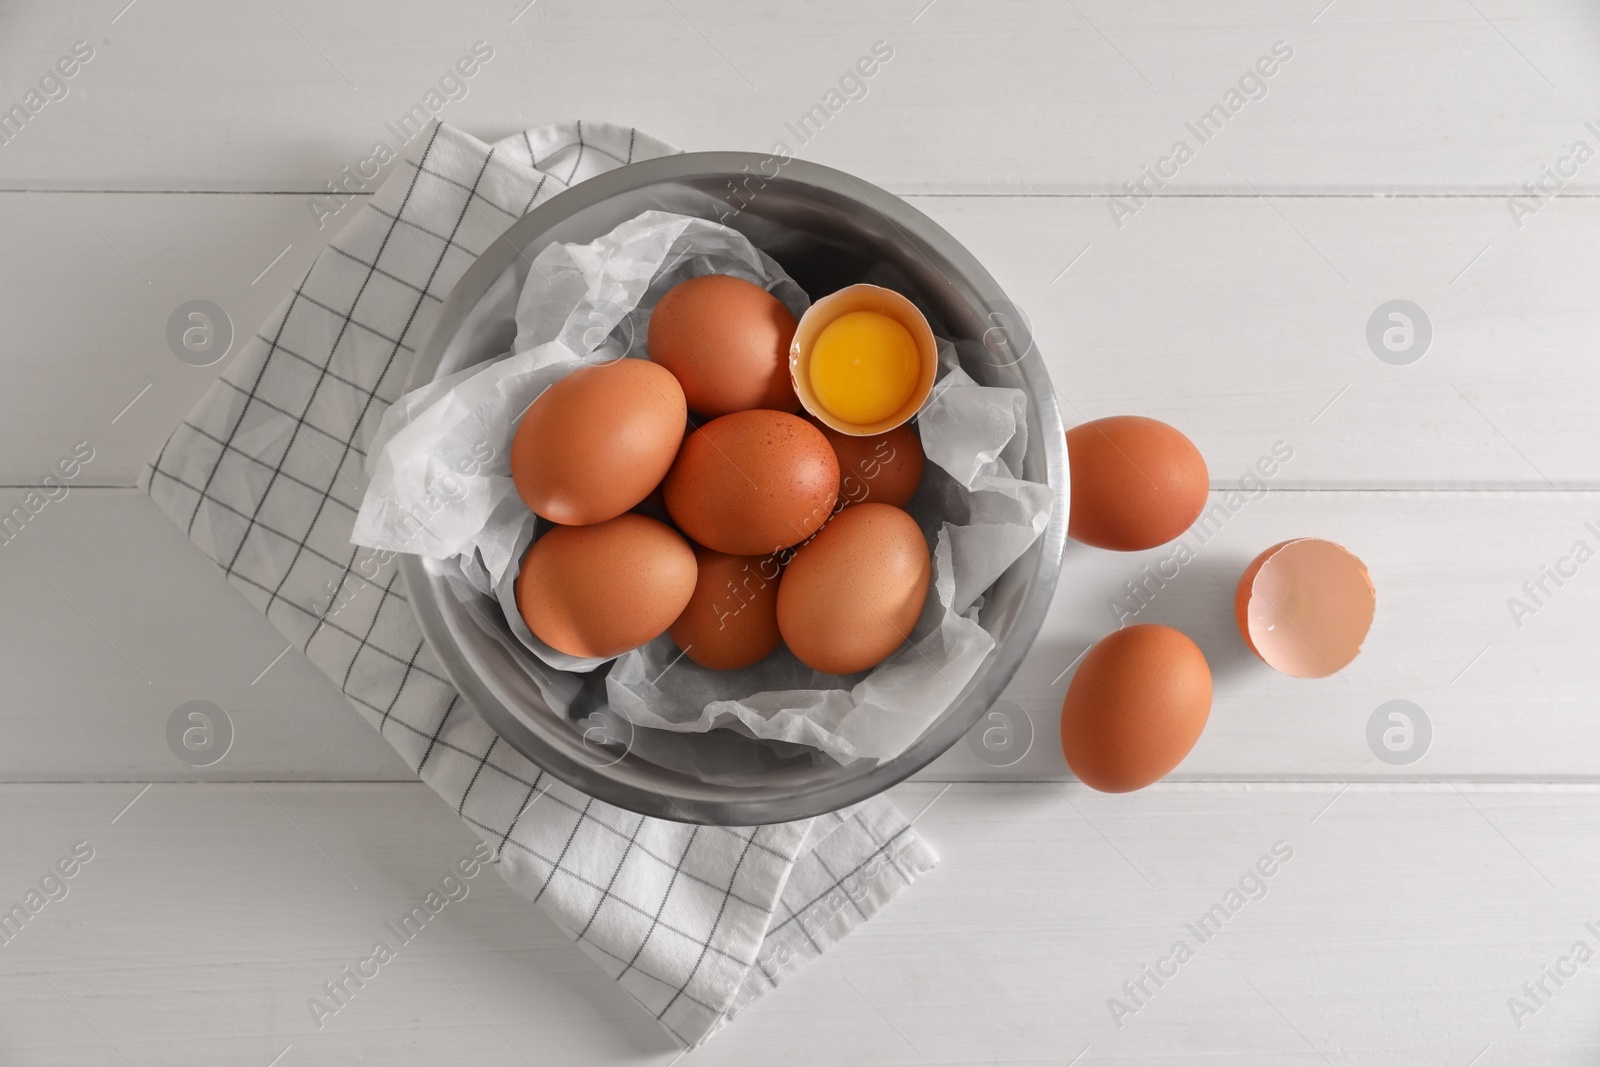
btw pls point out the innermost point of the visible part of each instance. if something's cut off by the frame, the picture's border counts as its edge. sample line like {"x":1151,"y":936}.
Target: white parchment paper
{"x":441,"y":487}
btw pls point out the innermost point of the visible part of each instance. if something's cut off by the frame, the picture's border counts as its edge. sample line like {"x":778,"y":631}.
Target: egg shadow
{"x":1199,"y":602}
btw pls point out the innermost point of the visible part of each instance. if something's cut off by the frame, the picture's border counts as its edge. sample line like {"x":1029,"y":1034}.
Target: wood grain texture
{"x":1242,"y":322}
{"x":1233,"y":303}
{"x":1444,"y":565}
{"x":1394,"y":932}
{"x":1377,"y":96}
{"x":1506,"y":701}
{"x":113,"y":620}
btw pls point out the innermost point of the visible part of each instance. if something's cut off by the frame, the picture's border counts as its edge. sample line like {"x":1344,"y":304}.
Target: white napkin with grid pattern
{"x":265,"y":475}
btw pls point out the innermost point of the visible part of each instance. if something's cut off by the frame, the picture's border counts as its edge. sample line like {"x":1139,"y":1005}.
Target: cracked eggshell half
{"x":1305,"y":606}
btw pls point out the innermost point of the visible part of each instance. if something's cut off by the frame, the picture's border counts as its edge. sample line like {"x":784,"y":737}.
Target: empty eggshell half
{"x":1304,"y":606}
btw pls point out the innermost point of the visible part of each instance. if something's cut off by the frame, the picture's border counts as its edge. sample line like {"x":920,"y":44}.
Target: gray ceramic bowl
{"x":828,"y":230}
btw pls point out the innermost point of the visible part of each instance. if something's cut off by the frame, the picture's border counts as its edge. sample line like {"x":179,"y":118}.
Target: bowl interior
{"x":828,"y":230}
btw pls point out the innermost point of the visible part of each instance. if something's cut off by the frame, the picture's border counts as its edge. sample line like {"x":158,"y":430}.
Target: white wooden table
{"x":182,"y":164}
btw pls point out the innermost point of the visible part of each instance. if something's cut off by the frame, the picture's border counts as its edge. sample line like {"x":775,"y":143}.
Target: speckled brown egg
{"x":752,"y":483}
{"x":1136,"y":483}
{"x":885,"y":468}
{"x":727,"y":341}
{"x":851,"y":595}
{"x":597,"y":442}
{"x":1135,"y":708}
{"x":732,"y":618}
{"x":600,"y":590}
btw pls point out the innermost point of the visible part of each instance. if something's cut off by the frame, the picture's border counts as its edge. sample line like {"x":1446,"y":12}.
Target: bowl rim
{"x":705,"y":803}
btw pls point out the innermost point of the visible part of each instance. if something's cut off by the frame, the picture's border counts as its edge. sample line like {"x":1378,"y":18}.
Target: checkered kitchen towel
{"x":266,"y":476}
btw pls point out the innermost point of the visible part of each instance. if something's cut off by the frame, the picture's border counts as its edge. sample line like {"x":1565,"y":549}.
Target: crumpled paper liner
{"x":441,"y":487}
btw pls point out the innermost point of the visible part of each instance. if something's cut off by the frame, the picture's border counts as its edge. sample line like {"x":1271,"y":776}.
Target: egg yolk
{"x":864,"y":367}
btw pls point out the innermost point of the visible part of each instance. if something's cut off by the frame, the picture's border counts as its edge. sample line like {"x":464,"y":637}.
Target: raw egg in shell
{"x":863,"y":360}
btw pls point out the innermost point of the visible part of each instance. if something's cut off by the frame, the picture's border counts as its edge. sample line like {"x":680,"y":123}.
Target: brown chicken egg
{"x":600,"y":590}
{"x":727,"y":342}
{"x":1136,"y":483}
{"x":752,"y":483}
{"x":732,"y":618}
{"x":1135,"y":708}
{"x":851,"y":595}
{"x":597,"y":442}
{"x":884,"y":468}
